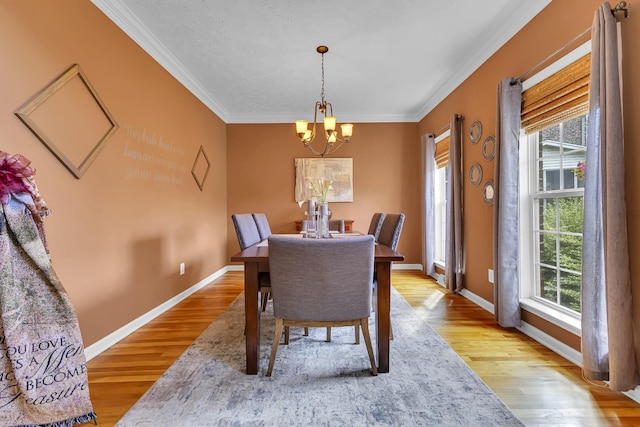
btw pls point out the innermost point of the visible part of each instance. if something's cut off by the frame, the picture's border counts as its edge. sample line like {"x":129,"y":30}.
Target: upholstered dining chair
{"x":389,"y":235}
{"x":376,"y":224}
{"x":248,"y":235}
{"x":263,"y":225}
{"x":246,"y":230}
{"x":336,"y":225}
{"x":265,"y":231}
{"x":390,"y":230}
{"x":321,"y":283}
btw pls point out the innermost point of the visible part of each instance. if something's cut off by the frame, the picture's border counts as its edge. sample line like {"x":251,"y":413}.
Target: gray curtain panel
{"x":429,"y":168}
{"x":454,"y":254}
{"x":506,"y":237}
{"x":607,"y":303}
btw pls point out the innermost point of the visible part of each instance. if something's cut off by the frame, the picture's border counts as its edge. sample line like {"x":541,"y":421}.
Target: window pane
{"x":571,"y":213}
{"x":570,"y":285}
{"x":551,"y":179}
{"x":574,"y":131}
{"x":440,"y":213}
{"x":552,"y":133}
{"x":548,"y":249}
{"x":547,"y":212}
{"x":548,"y":285}
{"x":571,"y":252}
{"x":570,"y":180}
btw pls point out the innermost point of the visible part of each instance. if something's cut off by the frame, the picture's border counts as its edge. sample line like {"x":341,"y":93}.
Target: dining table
{"x":256,"y":261}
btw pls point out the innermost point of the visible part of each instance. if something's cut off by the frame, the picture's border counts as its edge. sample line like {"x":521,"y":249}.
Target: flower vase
{"x":311,"y":229}
{"x":323,"y":220}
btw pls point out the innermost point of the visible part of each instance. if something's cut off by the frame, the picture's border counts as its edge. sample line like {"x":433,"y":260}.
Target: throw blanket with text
{"x":43,"y":372}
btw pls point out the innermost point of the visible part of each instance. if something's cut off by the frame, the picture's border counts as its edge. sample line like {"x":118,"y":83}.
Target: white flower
{"x":319,"y":188}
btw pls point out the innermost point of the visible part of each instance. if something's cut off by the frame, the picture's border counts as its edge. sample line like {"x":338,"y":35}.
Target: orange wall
{"x":555,"y":26}
{"x":386,"y":177}
{"x":116,"y":239}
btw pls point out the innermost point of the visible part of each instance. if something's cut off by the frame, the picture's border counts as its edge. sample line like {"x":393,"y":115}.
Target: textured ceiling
{"x":255,"y":61}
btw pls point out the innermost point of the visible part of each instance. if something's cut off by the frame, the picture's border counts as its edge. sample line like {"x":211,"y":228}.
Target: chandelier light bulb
{"x":329,"y":123}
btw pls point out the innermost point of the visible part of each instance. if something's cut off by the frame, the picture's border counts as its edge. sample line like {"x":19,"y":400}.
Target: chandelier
{"x":333,"y":141}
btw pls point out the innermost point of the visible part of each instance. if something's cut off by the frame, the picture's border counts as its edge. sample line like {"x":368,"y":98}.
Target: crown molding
{"x":122,"y":16}
{"x":508,"y":28}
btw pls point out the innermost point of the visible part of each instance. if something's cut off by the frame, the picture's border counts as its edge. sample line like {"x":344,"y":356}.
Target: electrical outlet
{"x":490,"y":276}
{"x":181,"y":268}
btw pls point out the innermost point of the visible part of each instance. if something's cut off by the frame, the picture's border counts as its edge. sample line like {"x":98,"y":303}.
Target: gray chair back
{"x":376,"y":224}
{"x":263,"y":225}
{"x":321,"y":279}
{"x":246,"y":230}
{"x":336,"y":225}
{"x":391,"y":230}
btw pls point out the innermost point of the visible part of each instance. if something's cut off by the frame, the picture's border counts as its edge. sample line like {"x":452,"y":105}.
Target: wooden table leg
{"x":383,"y":317}
{"x":252,"y":315}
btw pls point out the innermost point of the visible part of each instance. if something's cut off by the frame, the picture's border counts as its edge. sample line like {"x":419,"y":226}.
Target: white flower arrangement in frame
{"x":338,"y":172}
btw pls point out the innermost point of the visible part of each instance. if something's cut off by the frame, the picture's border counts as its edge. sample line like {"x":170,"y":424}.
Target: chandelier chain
{"x":322,"y":91}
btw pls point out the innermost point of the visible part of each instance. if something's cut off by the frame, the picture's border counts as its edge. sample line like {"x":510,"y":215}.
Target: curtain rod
{"x":446,"y":127}
{"x":550,"y":57}
{"x":620,"y":7}
{"x":442,"y":129}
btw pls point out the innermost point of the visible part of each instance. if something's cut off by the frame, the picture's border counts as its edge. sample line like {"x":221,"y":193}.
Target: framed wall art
{"x":339,"y":170}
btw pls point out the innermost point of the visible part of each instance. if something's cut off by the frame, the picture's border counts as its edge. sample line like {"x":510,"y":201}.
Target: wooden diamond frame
{"x":197,"y":166}
{"x":25,"y":112}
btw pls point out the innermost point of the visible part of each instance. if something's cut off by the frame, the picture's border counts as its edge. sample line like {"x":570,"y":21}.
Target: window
{"x":440,"y":196}
{"x":553,"y":147}
{"x":440,"y":214}
{"x":557,"y":219}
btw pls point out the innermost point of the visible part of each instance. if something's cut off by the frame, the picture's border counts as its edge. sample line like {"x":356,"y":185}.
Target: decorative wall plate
{"x":475,"y":132}
{"x":489,"y":147}
{"x":488,"y":192}
{"x":475,"y":174}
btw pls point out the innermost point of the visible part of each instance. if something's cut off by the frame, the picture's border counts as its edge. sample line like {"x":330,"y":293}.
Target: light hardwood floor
{"x":542,"y":388}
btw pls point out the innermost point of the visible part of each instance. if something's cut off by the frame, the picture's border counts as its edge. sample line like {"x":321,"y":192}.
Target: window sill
{"x":558,"y":318}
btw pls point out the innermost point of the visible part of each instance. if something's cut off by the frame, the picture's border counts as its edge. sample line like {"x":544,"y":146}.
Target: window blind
{"x":560,"y":97}
{"x":442,"y":152}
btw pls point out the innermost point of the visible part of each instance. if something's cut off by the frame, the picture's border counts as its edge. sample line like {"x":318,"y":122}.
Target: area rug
{"x":318,"y":383}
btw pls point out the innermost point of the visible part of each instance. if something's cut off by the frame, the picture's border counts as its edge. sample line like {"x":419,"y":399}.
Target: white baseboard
{"x":633,"y":394}
{"x":103,"y":344}
{"x":477,"y":300}
{"x":543,"y":338}
{"x":440,"y":278}
{"x":396,"y":266}
{"x":98,"y":347}
{"x":569,"y":353}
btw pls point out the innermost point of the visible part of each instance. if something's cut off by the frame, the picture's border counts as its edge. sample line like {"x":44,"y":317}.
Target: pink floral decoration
{"x":580,"y":170}
{"x":16,"y":176}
